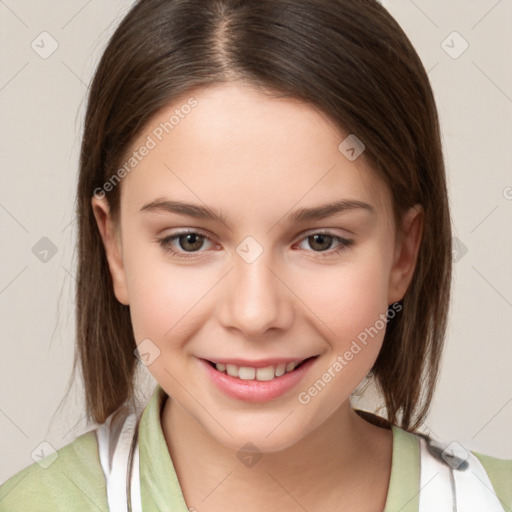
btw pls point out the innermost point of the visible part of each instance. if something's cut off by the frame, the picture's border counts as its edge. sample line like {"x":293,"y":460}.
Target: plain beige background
{"x":42,"y":100}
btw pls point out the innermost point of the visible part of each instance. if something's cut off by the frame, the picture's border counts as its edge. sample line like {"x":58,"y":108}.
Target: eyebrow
{"x":298,"y":216}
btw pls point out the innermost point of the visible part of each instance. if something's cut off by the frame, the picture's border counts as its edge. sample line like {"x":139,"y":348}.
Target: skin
{"x":256,"y":159}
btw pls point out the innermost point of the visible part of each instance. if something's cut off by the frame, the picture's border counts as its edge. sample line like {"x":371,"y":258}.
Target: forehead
{"x":236,"y":148}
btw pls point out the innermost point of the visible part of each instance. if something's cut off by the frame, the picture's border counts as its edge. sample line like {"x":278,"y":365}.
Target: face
{"x":255,"y":272}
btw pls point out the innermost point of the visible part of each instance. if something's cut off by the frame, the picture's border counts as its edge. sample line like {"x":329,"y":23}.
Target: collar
{"x":161,"y":490}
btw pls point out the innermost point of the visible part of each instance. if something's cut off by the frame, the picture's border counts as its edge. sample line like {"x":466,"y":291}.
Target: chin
{"x":260,"y":438}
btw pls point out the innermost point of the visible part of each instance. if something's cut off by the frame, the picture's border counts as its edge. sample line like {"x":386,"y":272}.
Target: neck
{"x":329,"y":462}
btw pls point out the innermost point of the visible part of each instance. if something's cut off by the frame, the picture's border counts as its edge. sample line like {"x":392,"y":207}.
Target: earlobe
{"x":406,"y":253}
{"x":112,"y":245}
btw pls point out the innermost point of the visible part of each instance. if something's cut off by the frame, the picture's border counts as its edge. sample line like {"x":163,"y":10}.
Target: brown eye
{"x":322,"y":243}
{"x":190,"y":241}
{"x":187,"y":242}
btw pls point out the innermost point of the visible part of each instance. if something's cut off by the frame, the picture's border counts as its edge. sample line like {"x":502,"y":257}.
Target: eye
{"x":193,"y":241}
{"x":322,"y":241}
{"x":187,"y":241}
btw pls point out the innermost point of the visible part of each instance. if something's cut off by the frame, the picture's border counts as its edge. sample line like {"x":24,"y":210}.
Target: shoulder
{"x":457,"y":456}
{"x":500,"y":474}
{"x":69,"y":479}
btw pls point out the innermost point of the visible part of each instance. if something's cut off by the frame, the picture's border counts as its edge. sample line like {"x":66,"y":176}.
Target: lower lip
{"x":256,"y":390}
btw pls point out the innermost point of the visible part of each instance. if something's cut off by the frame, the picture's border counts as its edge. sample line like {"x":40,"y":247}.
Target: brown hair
{"x":350,"y":59}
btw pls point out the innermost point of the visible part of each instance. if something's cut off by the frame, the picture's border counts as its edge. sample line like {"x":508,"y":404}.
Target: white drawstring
{"x":119,"y":457}
{"x":135,"y":482}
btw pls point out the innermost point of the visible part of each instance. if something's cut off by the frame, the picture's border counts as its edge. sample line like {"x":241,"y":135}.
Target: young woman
{"x":264,"y":226}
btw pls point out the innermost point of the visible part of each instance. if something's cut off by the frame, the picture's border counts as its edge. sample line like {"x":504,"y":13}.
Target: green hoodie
{"x":74,"y":481}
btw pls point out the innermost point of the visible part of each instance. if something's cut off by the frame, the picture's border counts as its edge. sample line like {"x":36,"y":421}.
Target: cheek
{"x":164,"y":298}
{"x":346,"y":298}
{"x":351,"y":304}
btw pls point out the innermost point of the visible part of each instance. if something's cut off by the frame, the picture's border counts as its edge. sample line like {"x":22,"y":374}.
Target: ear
{"x":113,"y":249}
{"x":408,"y":242}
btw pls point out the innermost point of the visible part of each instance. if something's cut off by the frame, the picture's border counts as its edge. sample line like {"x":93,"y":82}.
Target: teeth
{"x":232,"y":370}
{"x":290,"y":366}
{"x":267,"y":373}
{"x":280,"y":369}
{"x":248,"y":373}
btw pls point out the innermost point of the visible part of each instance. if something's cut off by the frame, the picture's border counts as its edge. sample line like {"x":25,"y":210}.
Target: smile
{"x":261,"y":374}
{"x":259,"y":383}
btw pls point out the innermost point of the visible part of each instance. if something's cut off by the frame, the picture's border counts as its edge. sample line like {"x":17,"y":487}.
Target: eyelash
{"x":165,"y":243}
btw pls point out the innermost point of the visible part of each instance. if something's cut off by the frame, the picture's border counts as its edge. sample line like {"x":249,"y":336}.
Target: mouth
{"x":266,"y":373}
{"x":265,"y":381}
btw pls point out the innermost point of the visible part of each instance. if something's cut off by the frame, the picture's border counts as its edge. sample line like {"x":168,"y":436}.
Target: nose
{"x":256,"y":297}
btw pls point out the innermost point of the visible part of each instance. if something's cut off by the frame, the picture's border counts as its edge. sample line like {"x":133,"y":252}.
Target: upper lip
{"x":260,"y":363}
